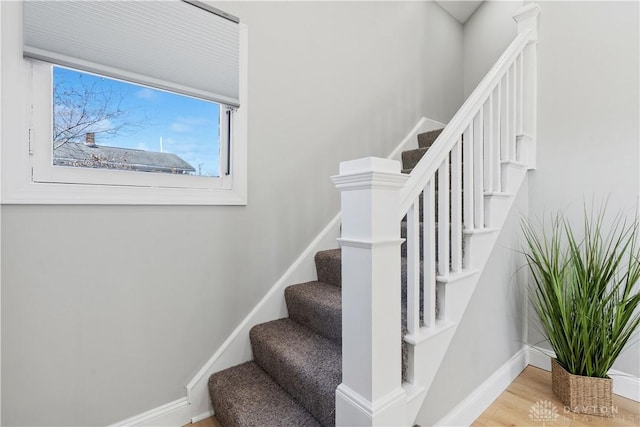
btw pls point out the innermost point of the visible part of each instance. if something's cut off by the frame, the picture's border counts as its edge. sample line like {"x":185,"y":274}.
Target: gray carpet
{"x":317,"y":306}
{"x":426,"y":139}
{"x":410,"y":158}
{"x":305,"y":364}
{"x":297,"y":360}
{"x":246,"y":396}
{"x":329,"y":267}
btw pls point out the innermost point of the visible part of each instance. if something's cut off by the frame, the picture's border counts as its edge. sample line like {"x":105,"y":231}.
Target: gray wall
{"x":108,"y":311}
{"x":486,"y":35}
{"x":588,"y":107}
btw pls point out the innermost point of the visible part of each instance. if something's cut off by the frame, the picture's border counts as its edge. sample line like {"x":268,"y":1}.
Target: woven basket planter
{"x":584,"y":395}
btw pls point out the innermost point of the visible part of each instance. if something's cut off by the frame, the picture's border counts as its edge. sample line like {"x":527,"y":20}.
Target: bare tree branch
{"x":93,"y":106}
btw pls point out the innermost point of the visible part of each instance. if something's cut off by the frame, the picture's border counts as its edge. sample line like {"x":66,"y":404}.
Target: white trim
{"x":369,"y":180}
{"x":477,"y":231}
{"x":202,"y":416}
{"x":540,"y":357}
{"x":482,"y":397}
{"x":456,"y":276}
{"x":624,"y":385}
{"x":173,"y":414}
{"x":426,"y":333}
{"x":353,"y":409}
{"x":366,"y":406}
{"x":236,"y":348}
{"x":367,"y":244}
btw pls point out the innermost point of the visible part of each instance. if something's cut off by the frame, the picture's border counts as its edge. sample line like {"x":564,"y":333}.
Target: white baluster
{"x":507,"y":117}
{"x":504,"y":130}
{"x":495,"y":142}
{"x":413,"y":268}
{"x":429,"y":257}
{"x":478,"y":193}
{"x":488,"y":145}
{"x":512,"y":113}
{"x":456,"y":207}
{"x":443,"y":218}
{"x":520,"y":67}
{"x":467,"y":176}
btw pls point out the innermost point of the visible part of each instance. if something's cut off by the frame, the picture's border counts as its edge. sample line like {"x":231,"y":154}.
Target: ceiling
{"x":461,"y":10}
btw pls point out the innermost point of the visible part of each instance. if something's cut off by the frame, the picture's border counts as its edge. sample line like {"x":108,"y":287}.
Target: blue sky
{"x":188,"y":126}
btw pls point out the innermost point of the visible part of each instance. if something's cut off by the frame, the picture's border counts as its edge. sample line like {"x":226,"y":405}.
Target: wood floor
{"x":533,"y":385}
{"x":512,"y":408}
{"x":208,"y":422}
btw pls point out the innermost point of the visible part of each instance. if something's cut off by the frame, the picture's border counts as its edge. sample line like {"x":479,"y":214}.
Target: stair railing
{"x":495,"y":126}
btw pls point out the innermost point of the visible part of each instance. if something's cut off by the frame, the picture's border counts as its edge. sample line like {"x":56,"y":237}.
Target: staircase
{"x":362,"y":345}
{"x":297,"y":362}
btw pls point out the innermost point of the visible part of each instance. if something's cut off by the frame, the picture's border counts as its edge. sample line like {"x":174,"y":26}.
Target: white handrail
{"x":437,"y":153}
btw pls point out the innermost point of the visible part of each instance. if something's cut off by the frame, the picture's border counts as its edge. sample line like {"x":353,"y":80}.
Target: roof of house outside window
{"x":101,"y":156}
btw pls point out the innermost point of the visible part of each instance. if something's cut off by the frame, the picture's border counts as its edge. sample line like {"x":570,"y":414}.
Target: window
{"x":110,"y":124}
{"x":132,"y":103}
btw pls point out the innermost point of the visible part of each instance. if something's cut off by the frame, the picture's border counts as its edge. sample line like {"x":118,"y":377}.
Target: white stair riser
{"x":495,"y":210}
{"x":457,"y":295}
{"x":525,"y":149}
{"x":510,"y":175}
{"x":476,"y":249}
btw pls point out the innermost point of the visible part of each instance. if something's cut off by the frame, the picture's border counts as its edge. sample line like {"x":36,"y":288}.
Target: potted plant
{"x":584,"y":290}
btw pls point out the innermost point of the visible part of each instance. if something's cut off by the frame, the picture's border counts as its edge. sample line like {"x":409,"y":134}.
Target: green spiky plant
{"x":584,"y":288}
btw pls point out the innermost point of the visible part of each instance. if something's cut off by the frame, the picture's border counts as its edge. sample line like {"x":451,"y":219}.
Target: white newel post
{"x":527,"y":19}
{"x":371,"y":392}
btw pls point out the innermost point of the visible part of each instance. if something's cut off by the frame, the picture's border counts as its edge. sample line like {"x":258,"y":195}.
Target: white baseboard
{"x":540,"y":357}
{"x":173,"y":414}
{"x":481,"y":398}
{"x":202,"y":416}
{"x":624,"y":385}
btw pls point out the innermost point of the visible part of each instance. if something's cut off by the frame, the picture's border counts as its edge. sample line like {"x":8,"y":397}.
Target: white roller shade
{"x":170,"y":45}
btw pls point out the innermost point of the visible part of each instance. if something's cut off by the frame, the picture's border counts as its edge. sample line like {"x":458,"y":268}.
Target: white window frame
{"x":28,"y":176}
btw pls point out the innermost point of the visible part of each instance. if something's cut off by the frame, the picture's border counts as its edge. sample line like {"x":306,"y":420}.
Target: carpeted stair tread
{"x":410,"y":158}
{"x":426,"y":139}
{"x":318,"y":306}
{"x":329,"y":267}
{"x":245,"y":395}
{"x":307,"y":365}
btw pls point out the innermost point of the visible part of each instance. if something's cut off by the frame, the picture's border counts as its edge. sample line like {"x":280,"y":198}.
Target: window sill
{"x":53,"y":193}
